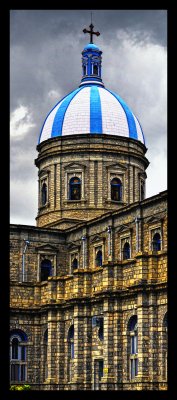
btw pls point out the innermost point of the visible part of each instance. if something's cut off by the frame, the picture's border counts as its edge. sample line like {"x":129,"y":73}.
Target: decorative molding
{"x":73,"y":246}
{"x":155,"y":219}
{"x":47,"y":247}
{"x":124,"y":228}
{"x":75,"y":166}
{"x":97,"y":238}
{"x":117,"y":166}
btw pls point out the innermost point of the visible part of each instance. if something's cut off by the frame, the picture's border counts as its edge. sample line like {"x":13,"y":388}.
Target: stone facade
{"x":78,"y":321}
{"x":95,"y":160}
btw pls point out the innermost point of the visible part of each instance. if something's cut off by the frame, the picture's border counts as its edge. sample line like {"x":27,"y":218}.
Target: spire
{"x":91,"y":60}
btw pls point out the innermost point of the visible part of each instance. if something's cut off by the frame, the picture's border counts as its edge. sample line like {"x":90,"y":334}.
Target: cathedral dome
{"x":91,"y":108}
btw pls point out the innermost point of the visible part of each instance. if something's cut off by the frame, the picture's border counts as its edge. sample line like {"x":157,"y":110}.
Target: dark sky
{"x":45,"y":56}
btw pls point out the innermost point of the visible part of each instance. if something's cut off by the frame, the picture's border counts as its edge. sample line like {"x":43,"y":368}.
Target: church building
{"x":88,"y":283}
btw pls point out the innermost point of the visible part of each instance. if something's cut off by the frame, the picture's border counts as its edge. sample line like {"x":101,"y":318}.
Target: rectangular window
{"x":134,"y":367}
{"x":72,"y":349}
{"x":134,"y":345}
{"x":14,"y":376}
{"x":100,"y":369}
{"x":98,"y":373}
{"x":23,"y":372}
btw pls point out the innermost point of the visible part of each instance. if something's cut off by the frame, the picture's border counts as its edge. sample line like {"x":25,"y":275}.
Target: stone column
{"x":36,"y":352}
{"x":109,"y":231}
{"x":153,"y":340}
{"x":52,"y":347}
{"x":78,"y":348}
{"x":60,"y":350}
{"x":108,"y":380}
{"x":100,"y":183}
{"x":143,"y":342}
{"x":84,"y":250}
{"x":87,"y":338}
{"x":91,"y":183}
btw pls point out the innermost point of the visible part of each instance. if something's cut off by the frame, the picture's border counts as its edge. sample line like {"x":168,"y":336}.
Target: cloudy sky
{"x":45,"y":65}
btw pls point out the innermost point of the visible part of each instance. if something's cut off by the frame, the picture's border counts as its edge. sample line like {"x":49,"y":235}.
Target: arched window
{"x":44,"y":194}
{"x":133,"y":346}
{"x":70,"y":366}
{"x":156,"y":242}
{"x":95,"y":69}
{"x":18,"y":341}
{"x":45,"y":354}
{"x":116,"y":189}
{"x":126,"y":251}
{"x":98,"y":259}
{"x":84,"y":70}
{"x":46,"y":269}
{"x":75,"y":264}
{"x":75,"y":189}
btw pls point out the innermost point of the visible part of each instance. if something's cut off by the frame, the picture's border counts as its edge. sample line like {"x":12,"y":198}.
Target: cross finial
{"x":91,"y":32}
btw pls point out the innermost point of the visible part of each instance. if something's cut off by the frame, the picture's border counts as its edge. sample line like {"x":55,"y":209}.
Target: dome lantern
{"x":91,"y":60}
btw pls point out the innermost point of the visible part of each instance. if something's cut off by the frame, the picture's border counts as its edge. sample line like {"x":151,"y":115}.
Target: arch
{"x":126,"y":251}
{"x":116,"y":189}
{"x":75,"y":188}
{"x":98,"y":259}
{"x":156,"y":242}
{"x":46,"y":269}
{"x":44,"y":194}
{"x":22,"y":336}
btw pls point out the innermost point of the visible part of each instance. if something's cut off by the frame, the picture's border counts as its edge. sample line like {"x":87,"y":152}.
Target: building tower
{"x":91,"y":151}
{"x":88,"y":296}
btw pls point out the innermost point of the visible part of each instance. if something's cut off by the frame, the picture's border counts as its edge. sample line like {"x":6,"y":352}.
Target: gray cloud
{"x":46,"y":48}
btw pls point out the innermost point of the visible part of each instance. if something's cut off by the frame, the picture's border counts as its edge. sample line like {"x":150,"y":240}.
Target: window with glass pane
{"x":116,"y":189}
{"x":18,"y":356}
{"x":75,"y":189}
{"x":156,"y":242}
{"x":15,"y":346}
{"x":44,"y":194}
{"x":98,"y":258}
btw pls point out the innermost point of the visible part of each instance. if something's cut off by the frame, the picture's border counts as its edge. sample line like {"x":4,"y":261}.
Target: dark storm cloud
{"x":46,"y":48}
{"x":151,"y":23}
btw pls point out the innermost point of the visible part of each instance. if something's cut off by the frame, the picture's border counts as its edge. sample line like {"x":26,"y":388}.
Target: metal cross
{"x":91,"y":26}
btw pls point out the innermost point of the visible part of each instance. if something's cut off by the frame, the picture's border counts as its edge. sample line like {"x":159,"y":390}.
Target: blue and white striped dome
{"x":91,"y":109}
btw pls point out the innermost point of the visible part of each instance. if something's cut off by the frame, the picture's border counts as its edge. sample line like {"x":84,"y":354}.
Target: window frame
{"x":153,"y":231}
{"x":120,"y":186}
{"x":71,"y":186}
{"x":19,"y":364}
{"x":96,"y":246}
{"x":132,"y":347}
{"x":74,"y":254}
{"x":125,"y":238}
